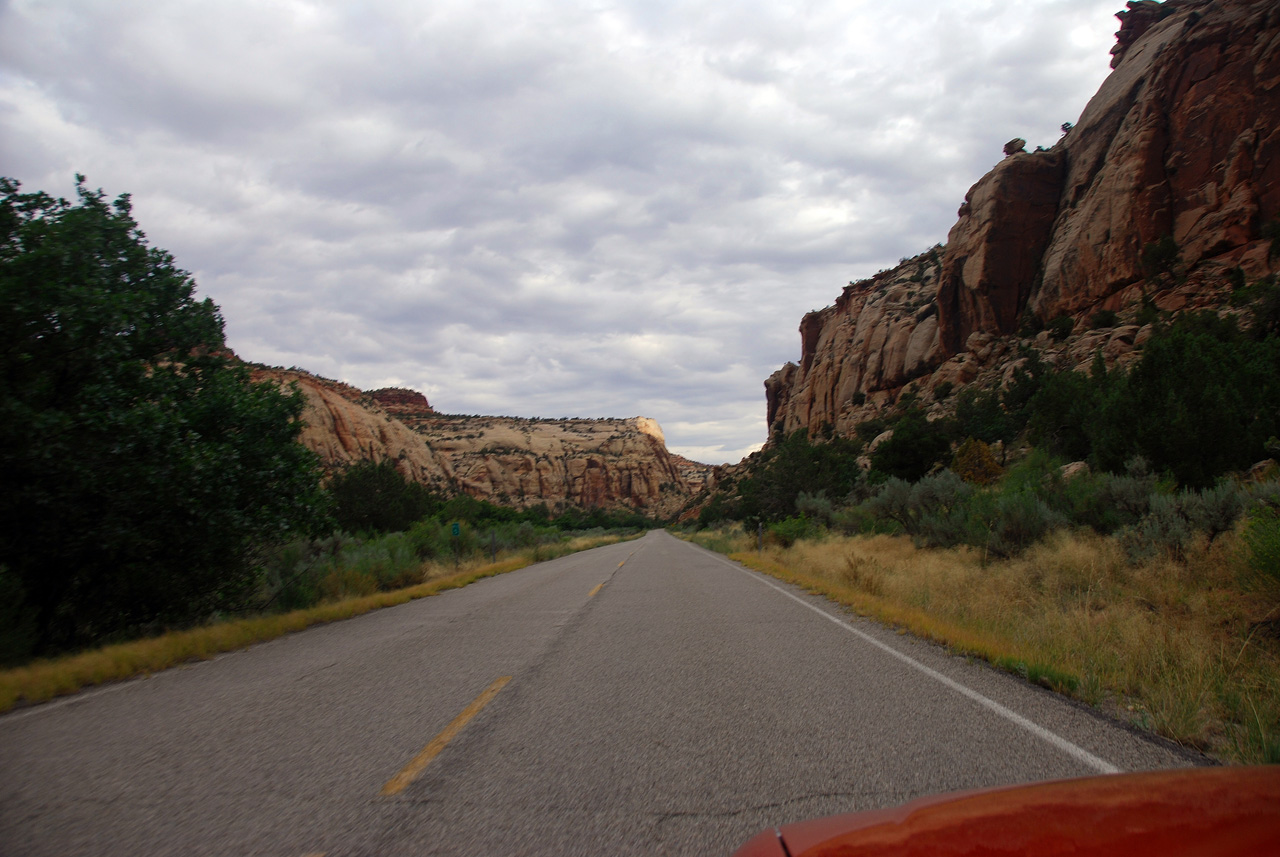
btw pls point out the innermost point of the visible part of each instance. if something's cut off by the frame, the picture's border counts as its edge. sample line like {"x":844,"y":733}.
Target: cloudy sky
{"x":596,"y":208}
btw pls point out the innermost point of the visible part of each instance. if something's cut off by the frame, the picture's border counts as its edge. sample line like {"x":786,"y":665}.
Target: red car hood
{"x":1207,"y":812}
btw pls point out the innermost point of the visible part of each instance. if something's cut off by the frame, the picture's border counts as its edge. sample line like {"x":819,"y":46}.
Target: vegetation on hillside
{"x":1093,"y":530}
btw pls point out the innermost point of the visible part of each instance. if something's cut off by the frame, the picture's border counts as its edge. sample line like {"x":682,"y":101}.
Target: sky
{"x":539,"y":209}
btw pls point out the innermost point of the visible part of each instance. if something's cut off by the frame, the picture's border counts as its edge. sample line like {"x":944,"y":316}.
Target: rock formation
{"x":344,"y":425}
{"x":520,"y":462}
{"x":607,"y":463}
{"x":1178,"y":149}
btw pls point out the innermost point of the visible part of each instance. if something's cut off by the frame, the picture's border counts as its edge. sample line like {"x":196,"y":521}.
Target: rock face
{"x":1182,"y":140}
{"x":398,"y":401}
{"x":994,"y":250}
{"x":880,"y":334}
{"x":1181,"y":144}
{"x":612,"y":464}
{"x":344,"y":425}
{"x":519,"y":462}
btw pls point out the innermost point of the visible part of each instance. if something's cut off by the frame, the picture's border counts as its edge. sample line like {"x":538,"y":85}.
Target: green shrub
{"x":916,"y":447}
{"x":788,"y":531}
{"x":1060,"y":328}
{"x":376,"y":498}
{"x":1215,"y":510}
{"x":1271,"y":229}
{"x":1159,"y":257}
{"x":1129,"y":495}
{"x":980,"y":415}
{"x":1148,"y":313}
{"x":1261,"y":540}
{"x":1022,"y":519}
{"x":937,"y":507}
{"x":1163,"y":528}
{"x":17,"y":623}
{"x":815,"y":507}
{"x":893,"y":503}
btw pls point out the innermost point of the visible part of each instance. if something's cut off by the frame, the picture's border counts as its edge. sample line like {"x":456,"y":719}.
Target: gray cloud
{"x":556,"y":208}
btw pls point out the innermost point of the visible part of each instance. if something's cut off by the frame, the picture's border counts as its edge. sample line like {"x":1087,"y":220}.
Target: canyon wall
{"x":1179,"y":145}
{"x":604,"y":463}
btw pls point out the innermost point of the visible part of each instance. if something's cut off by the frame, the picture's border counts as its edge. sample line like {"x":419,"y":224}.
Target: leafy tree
{"x":140,"y":467}
{"x":374,"y":498}
{"x":916,"y":446}
{"x":979,"y":415}
{"x":1202,"y":402}
{"x":793,"y":466}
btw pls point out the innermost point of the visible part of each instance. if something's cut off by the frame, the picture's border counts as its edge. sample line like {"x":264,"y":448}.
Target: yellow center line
{"x":624,"y":562}
{"x":592,"y":593}
{"x":397,"y":784}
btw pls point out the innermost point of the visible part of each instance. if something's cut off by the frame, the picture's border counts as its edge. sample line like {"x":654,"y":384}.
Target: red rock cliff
{"x":1181,"y":141}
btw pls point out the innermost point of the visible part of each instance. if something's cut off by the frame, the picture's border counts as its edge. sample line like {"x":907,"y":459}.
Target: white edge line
{"x":1078,"y":753}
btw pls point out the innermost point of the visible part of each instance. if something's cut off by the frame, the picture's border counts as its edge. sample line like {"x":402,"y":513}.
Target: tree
{"x":141,"y":468}
{"x":794,"y":465}
{"x":1203,"y":401}
{"x":369,"y":497}
{"x":915,"y":448}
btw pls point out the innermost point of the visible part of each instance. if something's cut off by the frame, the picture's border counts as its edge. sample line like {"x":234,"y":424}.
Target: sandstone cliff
{"x":612,"y":464}
{"x":520,"y":462}
{"x":1179,"y":145}
{"x":343,"y":425}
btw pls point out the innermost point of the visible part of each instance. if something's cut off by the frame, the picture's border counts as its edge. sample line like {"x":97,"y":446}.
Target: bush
{"x":916,"y":447}
{"x":1159,"y":257}
{"x":980,"y":415}
{"x":1163,"y":529}
{"x":371,"y":497}
{"x":1022,"y":519}
{"x":974,"y":463}
{"x":893,"y":503}
{"x":1129,"y":495}
{"x":815,"y":506}
{"x":788,"y":531}
{"x":1214,"y":511}
{"x":1060,"y":328}
{"x":1261,"y":540}
{"x":937,"y":505}
{"x":795,"y":465}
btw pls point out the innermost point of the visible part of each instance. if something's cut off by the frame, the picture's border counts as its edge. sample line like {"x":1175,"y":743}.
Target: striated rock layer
{"x":606,"y":463}
{"x":1180,"y":143}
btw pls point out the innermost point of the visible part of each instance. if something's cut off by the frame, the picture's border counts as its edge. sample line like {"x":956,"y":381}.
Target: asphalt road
{"x":660,"y":700}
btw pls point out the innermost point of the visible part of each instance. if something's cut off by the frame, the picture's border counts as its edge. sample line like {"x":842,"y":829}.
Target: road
{"x":648,"y":697}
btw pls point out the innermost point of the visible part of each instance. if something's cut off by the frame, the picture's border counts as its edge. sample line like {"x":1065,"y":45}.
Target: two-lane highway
{"x":644,"y":698}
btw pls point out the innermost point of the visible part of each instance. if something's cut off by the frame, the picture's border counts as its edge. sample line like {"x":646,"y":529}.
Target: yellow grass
{"x":44,"y":680}
{"x":1177,"y":648}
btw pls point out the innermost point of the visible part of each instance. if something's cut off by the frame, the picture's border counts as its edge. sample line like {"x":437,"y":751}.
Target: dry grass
{"x":44,"y":680}
{"x":1179,"y":648}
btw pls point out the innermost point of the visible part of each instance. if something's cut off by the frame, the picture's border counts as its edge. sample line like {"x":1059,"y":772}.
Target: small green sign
{"x":457,"y":529}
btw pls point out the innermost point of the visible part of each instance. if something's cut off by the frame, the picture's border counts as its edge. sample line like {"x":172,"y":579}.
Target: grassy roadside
{"x":44,"y":680}
{"x":1180,"y":648}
